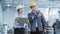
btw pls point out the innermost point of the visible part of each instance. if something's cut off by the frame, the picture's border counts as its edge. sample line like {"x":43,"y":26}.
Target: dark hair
{"x":18,"y":10}
{"x":32,"y":6}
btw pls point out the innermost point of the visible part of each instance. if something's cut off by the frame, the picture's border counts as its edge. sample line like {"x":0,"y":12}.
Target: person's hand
{"x":45,"y":30}
{"x":39,"y":15}
{"x":17,"y":19}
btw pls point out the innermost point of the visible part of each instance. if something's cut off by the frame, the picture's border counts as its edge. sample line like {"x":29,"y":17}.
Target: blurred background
{"x":8,"y":13}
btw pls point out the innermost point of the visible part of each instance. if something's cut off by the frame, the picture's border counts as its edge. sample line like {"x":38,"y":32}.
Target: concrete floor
{"x":50,"y":31}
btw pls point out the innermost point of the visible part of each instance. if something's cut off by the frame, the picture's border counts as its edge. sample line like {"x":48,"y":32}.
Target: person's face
{"x":20,"y":11}
{"x":34,"y":8}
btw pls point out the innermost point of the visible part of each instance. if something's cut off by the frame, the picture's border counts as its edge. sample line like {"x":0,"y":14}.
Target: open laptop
{"x":23,"y":20}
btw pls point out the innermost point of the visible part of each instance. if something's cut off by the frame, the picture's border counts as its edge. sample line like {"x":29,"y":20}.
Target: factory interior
{"x":49,"y":8}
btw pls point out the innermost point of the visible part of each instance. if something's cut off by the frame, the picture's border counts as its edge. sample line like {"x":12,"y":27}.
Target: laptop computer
{"x":23,"y":20}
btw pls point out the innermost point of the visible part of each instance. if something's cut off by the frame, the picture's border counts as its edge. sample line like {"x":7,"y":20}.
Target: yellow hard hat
{"x":32,"y":4}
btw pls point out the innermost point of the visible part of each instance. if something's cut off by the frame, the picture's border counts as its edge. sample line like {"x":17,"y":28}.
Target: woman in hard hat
{"x":37,"y":20}
{"x":19,"y":28}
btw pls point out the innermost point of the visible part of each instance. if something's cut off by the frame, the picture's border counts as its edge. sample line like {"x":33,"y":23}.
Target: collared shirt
{"x":18,"y":25}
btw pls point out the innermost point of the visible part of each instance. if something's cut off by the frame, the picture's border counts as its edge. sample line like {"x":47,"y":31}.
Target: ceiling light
{"x":8,"y":5}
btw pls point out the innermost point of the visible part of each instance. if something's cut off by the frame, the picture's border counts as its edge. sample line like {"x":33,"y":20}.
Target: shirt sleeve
{"x":43,"y":22}
{"x":16,"y":25}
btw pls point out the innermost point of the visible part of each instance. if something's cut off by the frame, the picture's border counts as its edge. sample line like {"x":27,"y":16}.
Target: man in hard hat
{"x":37,"y":20}
{"x":19,"y":28}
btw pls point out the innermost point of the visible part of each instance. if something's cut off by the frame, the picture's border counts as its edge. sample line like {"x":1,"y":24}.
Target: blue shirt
{"x":18,"y":25}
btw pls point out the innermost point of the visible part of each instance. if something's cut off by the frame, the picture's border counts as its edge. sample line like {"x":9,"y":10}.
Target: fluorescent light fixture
{"x":8,"y":5}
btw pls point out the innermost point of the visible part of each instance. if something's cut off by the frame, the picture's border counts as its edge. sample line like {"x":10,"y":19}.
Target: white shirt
{"x":21,"y":16}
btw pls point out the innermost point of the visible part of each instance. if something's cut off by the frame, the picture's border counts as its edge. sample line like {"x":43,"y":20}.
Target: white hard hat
{"x":19,"y":6}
